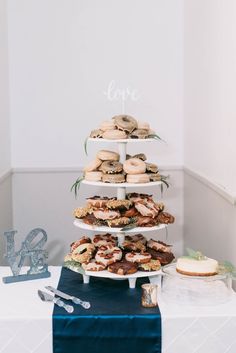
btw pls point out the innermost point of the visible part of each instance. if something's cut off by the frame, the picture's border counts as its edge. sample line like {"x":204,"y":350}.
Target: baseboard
{"x":228,"y":195}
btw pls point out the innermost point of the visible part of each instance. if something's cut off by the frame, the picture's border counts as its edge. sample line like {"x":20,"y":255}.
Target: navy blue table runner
{"x":115,"y":323}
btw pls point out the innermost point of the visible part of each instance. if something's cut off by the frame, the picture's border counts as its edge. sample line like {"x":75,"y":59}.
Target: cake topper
{"x":31,"y":249}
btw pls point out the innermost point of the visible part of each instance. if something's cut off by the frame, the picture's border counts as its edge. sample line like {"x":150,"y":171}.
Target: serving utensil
{"x":84,"y":304}
{"x":49,"y":298}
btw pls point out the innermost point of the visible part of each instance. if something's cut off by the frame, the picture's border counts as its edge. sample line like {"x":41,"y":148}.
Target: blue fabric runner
{"x":115,"y":323}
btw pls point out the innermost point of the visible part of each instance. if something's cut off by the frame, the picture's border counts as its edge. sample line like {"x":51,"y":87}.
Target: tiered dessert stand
{"x":121,"y":194}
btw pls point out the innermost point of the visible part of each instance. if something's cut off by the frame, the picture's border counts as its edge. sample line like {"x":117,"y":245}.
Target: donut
{"x":114,"y":135}
{"x":141,"y":156}
{"x":93,"y":266}
{"x":134,"y":166}
{"x":105,"y":155}
{"x":68,"y":258}
{"x":165,"y":218}
{"x":83,"y":240}
{"x":96,"y":133}
{"x":139,"y":134}
{"x":140,"y":258}
{"x":143,"y":125}
{"x":151,"y":168}
{"x":93,"y":165}
{"x":137,"y":178}
{"x":133,"y":246}
{"x":104,"y":239}
{"x":107,"y":125}
{"x":113,"y":178}
{"x":83,"y":253}
{"x":98,"y":201}
{"x":81,"y":212}
{"x":92,"y":220}
{"x":119,"y":204}
{"x":136,"y":237}
{"x":108,"y":254}
{"x":132,"y":212}
{"x":111,"y":167}
{"x":106,"y":214}
{"x":134,"y":196}
{"x":123,"y":267}
{"x":164,"y":257}
{"x":152,"y":265}
{"x":125,"y":123}
{"x":118,"y":222}
{"x":154,"y":176}
{"x":159,"y":245}
{"x":143,"y":221}
{"x":93,"y":176}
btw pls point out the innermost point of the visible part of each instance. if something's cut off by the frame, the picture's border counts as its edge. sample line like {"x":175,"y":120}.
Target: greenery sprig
{"x":76,"y":185}
{"x":228,"y":268}
{"x":74,"y":266}
{"x":86,"y":145}
{"x":156,"y":137}
{"x":130,"y":226}
{"x":196,"y":255}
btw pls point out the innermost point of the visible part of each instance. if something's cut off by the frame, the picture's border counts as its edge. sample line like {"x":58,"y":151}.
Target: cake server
{"x":85,"y":305}
{"x":49,"y":298}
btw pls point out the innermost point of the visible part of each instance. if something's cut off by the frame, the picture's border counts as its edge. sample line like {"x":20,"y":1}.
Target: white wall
{"x":210,"y":86}
{"x":210,"y":125}
{"x":5,"y":162}
{"x":64,"y":54}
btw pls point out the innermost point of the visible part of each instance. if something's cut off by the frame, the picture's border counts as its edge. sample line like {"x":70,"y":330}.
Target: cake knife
{"x":49,"y":298}
{"x":85,"y":305}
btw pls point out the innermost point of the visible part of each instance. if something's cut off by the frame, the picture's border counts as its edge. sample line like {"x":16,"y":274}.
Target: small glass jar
{"x":149,"y":295}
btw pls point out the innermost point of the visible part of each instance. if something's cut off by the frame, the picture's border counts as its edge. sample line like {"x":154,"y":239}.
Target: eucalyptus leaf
{"x":128,"y":227}
{"x":228,"y":267}
{"x":74,"y":266}
{"x":76,"y":185}
{"x":156,"y":137}
{"x":197,"y":255}
{"x":85,"y":145}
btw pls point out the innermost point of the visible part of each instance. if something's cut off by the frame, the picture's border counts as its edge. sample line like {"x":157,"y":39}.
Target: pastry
{"x":143,"y":125}
{"x":76,"y":243}
{"x":119,"y":204}
{"x":83,"y":253}
{"x":137,"y":178}
{"x":123,"y":267}
{"x":114,"y":135}
{"x":164,"y":257}
{"x":131,"y":212}
{"x":93,"y":266}
{"x":151,"y":168}
{"x":159,"y":245}
{"x":125,"y":123}
{"x":81,"y":212}
{"x":107,"y":125}
{"x":104,"y":239}
{"x":113,"y":178}
{"x":93,"y":176}
{"x":133,"y":246}
{"x":105,"y":214}
{"x":139,"y":134}
{"x":194,"y":267}
{"x":108,"y":254}
{"x":136,"y":237}
{"x":98,"y":201}
{"x":93,"y":165}
{"x":154,"y":176}
{"x":118,"y":222}
{"x":111,"y":167}
{"x":96,"y":133}
{"x":166,"y":218}
{"x":106,"y":155}
{"x":134,"y":166}
{"x":141,"y":258}
{"x":141,"y":156}
{"x":152,"y":265}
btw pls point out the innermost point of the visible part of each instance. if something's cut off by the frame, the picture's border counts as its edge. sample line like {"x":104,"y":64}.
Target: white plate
{"x":121,"y":185}
{"x":79,"y":223}
{"x":121,"y":140}
{"x":107,"y":274}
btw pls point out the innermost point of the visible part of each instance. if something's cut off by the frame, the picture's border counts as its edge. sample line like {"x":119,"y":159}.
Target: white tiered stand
{"x":121,"y":194}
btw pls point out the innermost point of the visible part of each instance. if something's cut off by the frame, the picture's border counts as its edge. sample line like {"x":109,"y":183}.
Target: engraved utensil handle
{"x":68,"y":308}
{"x":85,"y":305}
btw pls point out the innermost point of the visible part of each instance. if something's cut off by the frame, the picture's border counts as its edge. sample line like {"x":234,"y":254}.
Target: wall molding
{"x":228,"y":195}
{"x":5,"y":175}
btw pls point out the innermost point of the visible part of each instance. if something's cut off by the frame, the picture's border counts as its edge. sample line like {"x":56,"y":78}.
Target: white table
{"x":26,"y":321}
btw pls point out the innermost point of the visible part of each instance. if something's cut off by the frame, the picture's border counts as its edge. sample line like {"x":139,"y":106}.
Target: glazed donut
{"x":152,"y":265}
{"x":125,"y":123}
{"x":139,"y":134}
{"x":104,"y":239}
{"x":136,"y":237}
{"x":81,"y":212}
{"x":90,"y":219}
{"x":107,"y":125}
{"x":134,"y":166}
{"x":164,"y":257}
{"x":132,"y":212}
{"x":118,"y":222}
{"x":123,"y":267}
{"x":93,"y":165}
{"x":113,"y":178}
{"x":165,"y":217}
{"x":137,"y":178}
{"x":96,"y":133}
{"x":111,"y":167}
{"x":106,"y":214}
{"x":83,"y":240}
{"x":154,"y":176}
{"x":93,"y":176}
{"x":119,"y":204}
{"x":143,"y":125}
{"x":98,"y":201}
{"x":133,"y":246}
{"x":68,"y":258}
{"x":141,"y":156}
{"x":151,"y":168}
{"x":144,"y":221}
{"x":114,"y":135}
{"x":140,"y":258}
{"x":83,"y":253}
{"x":93,"y":266}
{"x":159,"y":245}
{"x":106,"y":155}
{"x":107,"y":255}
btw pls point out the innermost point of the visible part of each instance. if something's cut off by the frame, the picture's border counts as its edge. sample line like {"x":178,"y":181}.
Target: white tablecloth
{"x":26,"y":321}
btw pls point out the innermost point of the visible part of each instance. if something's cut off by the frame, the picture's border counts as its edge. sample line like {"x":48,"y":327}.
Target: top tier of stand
{"x":121,"y":140}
